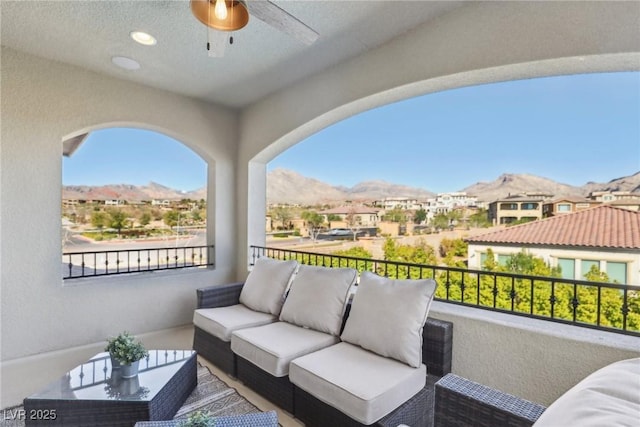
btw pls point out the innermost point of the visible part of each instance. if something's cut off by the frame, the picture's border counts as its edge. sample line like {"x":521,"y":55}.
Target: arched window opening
{"x":133,"y":200}
{"x":486,"y":189}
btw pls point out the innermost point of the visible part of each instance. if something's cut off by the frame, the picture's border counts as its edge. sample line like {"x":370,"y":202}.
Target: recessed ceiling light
{"x":126,"y":63}
{"x":143,"y":38}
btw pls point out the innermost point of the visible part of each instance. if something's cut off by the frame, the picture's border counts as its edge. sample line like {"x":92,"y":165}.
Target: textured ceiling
{"x":262,"y":60}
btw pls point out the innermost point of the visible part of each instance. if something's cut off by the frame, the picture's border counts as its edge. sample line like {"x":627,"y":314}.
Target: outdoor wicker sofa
{"x":609,"y":396}
{"x":212,"y":343}
{"x":460,"y":402}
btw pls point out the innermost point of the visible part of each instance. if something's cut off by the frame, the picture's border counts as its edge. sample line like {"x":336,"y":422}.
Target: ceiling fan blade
{"x":216,"y":42}
{"x":282,"y":20}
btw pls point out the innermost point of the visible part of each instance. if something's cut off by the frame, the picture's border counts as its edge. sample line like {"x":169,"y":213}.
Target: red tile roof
{"x":599,"y":227}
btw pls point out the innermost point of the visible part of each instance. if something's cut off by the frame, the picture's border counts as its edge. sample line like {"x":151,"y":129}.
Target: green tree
{"x":453,"y":247}
{"x":145,"y":219}
{"x":283,"y":215}
{"x":314,"y":222}
{"x":480,"y":219}
{"x":355,"y":252}
{"x":440,"y":221}
{"x":420,"y":216}
{"x":98,"y":219}
{"x":354,"y":222}
{"x":117,"y":219}
{"x":334,"y":217}
{"x":595,"y":275}
{"x":395,"y":215}
{"x":420,"y":253}
{"x":196,"y":215}
{"x":171,"y":218}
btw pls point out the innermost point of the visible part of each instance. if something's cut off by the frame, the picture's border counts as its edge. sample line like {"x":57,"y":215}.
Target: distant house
{"x":406,"y":203}
{"x":364,"y":216}
{"x":604,"y":236}
{"x":610,"y":196}
{"x":517,"y":207}
{"x":565,"y":205}
{"x":444,"y":203}
{"x":627,"y":203}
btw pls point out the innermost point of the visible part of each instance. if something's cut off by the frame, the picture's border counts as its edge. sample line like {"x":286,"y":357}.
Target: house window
{"x":617,"y":272}
{"x":508,"y":219}
{"x":509,"y":206}
{"x":567,"y":268}
{"x":483,"y":259}
{"x":586,"y":265}
{"x":503,"y":259}
{"x":529,"y":206}
{"x":564,"y":207}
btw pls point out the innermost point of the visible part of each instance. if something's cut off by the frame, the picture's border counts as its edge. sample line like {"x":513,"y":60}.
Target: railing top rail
{"x":135,"y":260}
{"x":113,"y":251}
{"x":462,"y":270}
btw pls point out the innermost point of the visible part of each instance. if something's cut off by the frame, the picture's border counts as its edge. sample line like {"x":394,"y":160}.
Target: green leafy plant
{"x":126,"y":349}
{"x":199,"y":419}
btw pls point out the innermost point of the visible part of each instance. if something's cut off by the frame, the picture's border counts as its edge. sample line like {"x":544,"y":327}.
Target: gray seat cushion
{"x":222,"y":321}
{"x":272,"y":347}
{"x":361,"y":384}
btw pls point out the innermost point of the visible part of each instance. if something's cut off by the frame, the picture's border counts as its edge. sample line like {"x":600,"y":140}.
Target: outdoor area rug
{"x":211,"y":394}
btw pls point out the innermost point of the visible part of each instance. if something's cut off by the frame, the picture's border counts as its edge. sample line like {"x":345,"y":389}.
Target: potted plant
{"x":126,"y":351}
{"x":199,"y":419}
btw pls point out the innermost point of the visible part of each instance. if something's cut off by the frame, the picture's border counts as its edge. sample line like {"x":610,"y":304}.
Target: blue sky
{"x":572,"y":129}
{"x":134,"y":156}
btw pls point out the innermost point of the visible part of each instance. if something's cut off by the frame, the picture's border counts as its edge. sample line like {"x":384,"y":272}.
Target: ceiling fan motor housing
{"x":237,"y":14}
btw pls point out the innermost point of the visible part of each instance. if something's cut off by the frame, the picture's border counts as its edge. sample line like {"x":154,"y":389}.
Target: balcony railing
{"x":604,"y":306}
{"x":102,"y":263}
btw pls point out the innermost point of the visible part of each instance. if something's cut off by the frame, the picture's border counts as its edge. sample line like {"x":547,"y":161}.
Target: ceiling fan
{"x":224,"y":16}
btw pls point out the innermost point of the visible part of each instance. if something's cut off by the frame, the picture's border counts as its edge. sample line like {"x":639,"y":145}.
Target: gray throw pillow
{"x":317,"y":298}
{"x":265,"y":287}
{"x":387,"y":317}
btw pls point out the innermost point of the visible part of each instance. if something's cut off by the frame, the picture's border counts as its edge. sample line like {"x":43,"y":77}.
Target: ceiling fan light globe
{"x":205,"y":12}
{"x":221,"y":9}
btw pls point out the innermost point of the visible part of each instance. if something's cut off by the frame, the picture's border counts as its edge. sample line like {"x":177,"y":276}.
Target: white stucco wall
{"x":479,"y":43}
{"x":42,"y":103}
{"x":533,"y":359}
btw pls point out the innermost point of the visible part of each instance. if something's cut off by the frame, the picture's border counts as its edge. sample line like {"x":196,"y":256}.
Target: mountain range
{"x":287,"y":186}
{"x":129,"y":192}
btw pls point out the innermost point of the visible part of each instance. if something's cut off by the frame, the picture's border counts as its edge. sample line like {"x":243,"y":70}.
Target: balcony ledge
{"x":535,"y":359}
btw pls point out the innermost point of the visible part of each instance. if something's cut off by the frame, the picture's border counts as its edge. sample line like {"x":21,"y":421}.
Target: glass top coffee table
{"x":94,"y":394}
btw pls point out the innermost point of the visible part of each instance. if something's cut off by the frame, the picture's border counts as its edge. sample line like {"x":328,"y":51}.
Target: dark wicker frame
{"x":278,"y":390}
{"x":416,"y":412}
{"x":460,"y":402}
{"x":212,"y":348}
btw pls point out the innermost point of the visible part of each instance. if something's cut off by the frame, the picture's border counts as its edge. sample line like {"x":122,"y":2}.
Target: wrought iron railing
{"x":101,"y":263}
{"x":605,"y":306}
